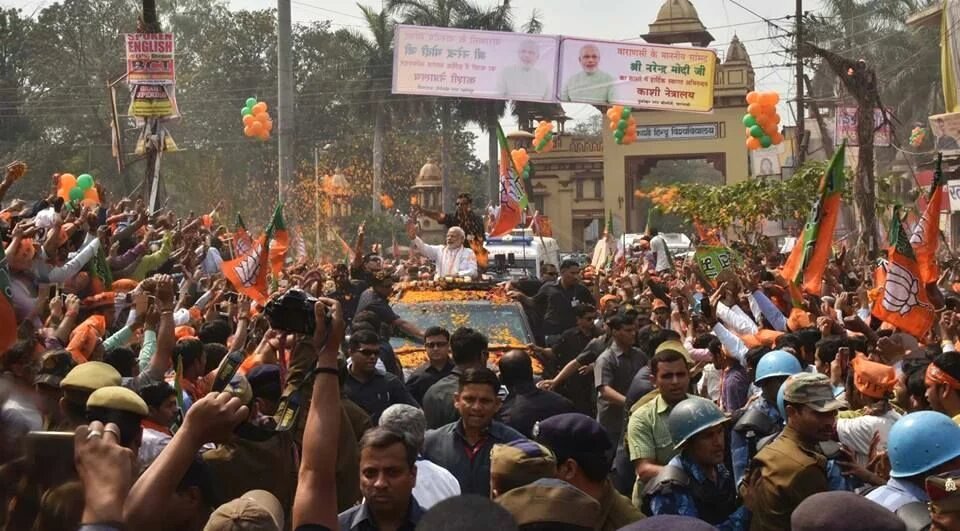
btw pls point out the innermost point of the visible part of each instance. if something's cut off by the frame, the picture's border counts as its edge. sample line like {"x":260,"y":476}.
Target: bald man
{"x":592,"y":85}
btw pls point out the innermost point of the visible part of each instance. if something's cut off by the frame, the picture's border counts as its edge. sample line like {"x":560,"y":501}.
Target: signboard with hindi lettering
{"x":678,"y":131}
{"x":845,"y":127}
{"x":953,"y":192}
{"x":645,"y":76}
{"x":713,"y":260}
{"x":474,"y":64}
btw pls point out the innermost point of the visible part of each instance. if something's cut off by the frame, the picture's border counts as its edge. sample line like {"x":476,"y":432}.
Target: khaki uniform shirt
{"x":785,"y":473}
{"x":616,"y":511}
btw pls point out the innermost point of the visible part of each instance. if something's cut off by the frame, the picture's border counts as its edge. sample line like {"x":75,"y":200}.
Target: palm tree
{"x":376,"y":56}
{"x":441,"y":14}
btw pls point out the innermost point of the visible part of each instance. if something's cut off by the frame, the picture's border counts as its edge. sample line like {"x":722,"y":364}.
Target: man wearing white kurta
{"x":452,"y":259}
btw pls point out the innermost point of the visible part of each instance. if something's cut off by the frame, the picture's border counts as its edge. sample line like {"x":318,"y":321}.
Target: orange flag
{"x":904,"y":301}
{"x":926,"y":234}
{"x":248,"y":272}
{"x":513,"y":198}
{"x":810,"y":254}
{"x":279,"y":243}
{"x":8,"y":319}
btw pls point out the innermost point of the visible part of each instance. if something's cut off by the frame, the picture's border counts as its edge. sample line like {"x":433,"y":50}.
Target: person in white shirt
{"x":659,"y":246}
{"x":434,"y":483}
{"x":523,"y":81}
{"x":452,"y":259}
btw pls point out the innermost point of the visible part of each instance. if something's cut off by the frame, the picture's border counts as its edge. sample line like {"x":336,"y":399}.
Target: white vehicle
{"x":521,"y":254}
{"x":676,"y":242}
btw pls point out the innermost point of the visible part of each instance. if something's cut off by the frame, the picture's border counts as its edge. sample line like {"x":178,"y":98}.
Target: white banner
{"x":953,"y":190}
{"x":474,"y":64}
{"x":636,"y":75}
{"x":678,"y":131}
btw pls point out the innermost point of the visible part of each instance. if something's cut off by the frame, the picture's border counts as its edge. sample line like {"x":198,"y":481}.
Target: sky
{"x":601,"y":19}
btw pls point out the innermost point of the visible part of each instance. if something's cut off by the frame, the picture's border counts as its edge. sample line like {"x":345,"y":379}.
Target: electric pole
{"x":800,"y":148}
{"x":284,"y":95}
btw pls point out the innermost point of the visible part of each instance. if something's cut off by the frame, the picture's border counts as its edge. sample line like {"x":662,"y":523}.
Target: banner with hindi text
{"x":474,"y":64}
{"x":645,"y":76}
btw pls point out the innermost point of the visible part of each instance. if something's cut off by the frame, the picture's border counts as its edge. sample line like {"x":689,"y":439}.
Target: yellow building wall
{"x":730,"y":143}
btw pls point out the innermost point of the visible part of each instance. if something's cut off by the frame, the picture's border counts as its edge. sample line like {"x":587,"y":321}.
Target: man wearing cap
{"x":582,"y":449}
{"x":522,"y":480}
{"x":54,"y":367}
{"x":255,"y":510}
{"x":375,"y":299}
{"x":613,"y":373}
{"x":868,"y":391}
{"x":919,"y":444}
{"x":122,"y":407}
{"x":943,"y":385}
{"x":790,"y":468}
{"x":525,"y":404}
{"x":649,"y":442}
{"x":696,"y":483}
{"x":944,"y":493}
{"x":77,"y":386}
{"x":387,"y":475}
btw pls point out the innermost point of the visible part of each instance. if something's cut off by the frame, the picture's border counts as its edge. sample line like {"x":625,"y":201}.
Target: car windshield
{"x":503,"y":324}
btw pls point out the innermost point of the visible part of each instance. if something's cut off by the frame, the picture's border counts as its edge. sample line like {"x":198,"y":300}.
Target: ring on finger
{"x":114,"y":430}
{"x":94,"y":434}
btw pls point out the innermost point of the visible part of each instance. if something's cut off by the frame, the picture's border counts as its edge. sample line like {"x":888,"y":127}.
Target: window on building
{"x":579,"y":188}
{"x":538,"y":203}
{"x":598,"y":188}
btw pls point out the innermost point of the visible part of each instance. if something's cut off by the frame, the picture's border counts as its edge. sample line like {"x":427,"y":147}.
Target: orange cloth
{"x":99,"y":300}
{"x":184,"y":332}
{"x":195,"y":314}
{"x":798,"y":320}
{"x":83,"y":339}
{"x":125,"y":285}
{"x":873,"y":379}
{"x":605,"y":300}
{"x":763,"y":338}
{"x":936,"y":375}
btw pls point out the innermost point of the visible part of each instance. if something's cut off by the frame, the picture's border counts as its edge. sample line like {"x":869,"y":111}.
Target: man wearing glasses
{"x":369,"y":388}
{"x":438,"y":364}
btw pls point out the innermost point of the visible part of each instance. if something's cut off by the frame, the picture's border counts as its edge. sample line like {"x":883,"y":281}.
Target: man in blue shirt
{"x":388,"y":474}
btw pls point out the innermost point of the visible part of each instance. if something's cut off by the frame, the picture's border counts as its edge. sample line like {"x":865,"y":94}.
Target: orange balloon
{"x":259,"y":108}
{"x":248,"y":119}
{"x":763,"y":120}
{"x":766,"y":98}
{"x":613,"y":125}
{"x":268,"y":125}
{"x":755,"y":109}
{"x":777,"y":138}
{"x":248,"y":131}
{"x":256,"y":127}
{"x":611,"y":113}
{"x":68,"y":181}
{"x":753,"y":143}
{"x":753,"y":97}
{"x":64,"y":193}
{"x":776,"y":118}
{"x":92,"y":195}
{"x":264,"y":136}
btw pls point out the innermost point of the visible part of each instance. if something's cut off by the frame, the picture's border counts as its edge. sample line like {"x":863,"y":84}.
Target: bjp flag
{"x":808,"y":259}
{"x":248,"y":272}
{"x":513,"y":198}
{"x":279,"y":243}
{"x":242,"y":238}
{"x":904,"y":301}
{"x":926,"y":234}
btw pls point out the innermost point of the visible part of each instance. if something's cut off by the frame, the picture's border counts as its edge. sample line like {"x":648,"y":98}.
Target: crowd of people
{"x":141,"y":389}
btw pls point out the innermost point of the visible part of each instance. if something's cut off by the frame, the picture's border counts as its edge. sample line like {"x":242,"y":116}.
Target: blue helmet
{"x":781,"y":403}
{"x":920,"y":442}
{"x":692,"y":416}
{"x":777,"y":363}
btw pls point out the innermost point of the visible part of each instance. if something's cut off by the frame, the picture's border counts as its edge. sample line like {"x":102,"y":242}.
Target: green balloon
{"x":76,"y":193}
{"x":757,"y":131}
{"x":622,"y":124}
{"x":626,"y":113}
{"x":246,"y":111}
{"x":618,"y":134}
{"x":749,"y":120}
{"x":765,"y":141}
{"x":85,"y":182}
{"x":251,"y":102}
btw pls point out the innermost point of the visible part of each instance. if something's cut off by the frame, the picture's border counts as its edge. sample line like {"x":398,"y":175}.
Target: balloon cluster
{"x":762,"y":121}
{"x":543,"y":137}
{"x":256,"y":120}
{"x":623,"y":125}
{"x":78,"y":189}
{"x":917,"y":136}
{"x":521,"y":160}
{"x":386,"y":201}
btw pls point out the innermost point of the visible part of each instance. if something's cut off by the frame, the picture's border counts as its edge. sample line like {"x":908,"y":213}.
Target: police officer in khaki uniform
{"x":582,"y":448}
{"x":120,"y":406}
{"x":522,"y":481}
{"x":77,"y":387}
{"x":944,"y":492}
{"x":256,"y":457}
{"x":54,"y":367}
{"x":790,"y":469}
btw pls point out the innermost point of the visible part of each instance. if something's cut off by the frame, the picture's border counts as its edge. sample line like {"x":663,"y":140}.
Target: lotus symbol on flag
{"x":901,"y":289}
{"x":917,"y":237}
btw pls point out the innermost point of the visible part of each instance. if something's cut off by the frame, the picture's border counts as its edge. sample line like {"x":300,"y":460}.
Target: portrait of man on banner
{"x":524,"y":81}
{"x":590,"y":85}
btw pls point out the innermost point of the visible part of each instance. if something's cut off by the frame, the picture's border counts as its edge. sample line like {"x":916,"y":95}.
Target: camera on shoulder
{"x":294,"y":312}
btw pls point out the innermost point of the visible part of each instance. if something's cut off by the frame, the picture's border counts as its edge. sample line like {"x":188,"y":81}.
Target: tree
{"x":376,"y":57}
